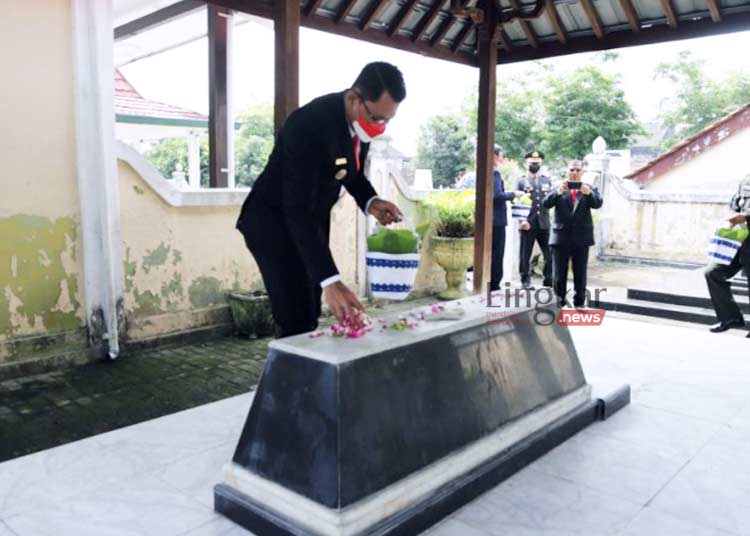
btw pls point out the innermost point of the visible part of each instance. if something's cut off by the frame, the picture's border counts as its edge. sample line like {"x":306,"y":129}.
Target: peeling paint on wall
{"x":38,"y":279}
{"x":205,"y":291}
{"x":157,"y":257}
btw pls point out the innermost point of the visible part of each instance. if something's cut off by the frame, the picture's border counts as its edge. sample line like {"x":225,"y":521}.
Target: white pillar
{"x":97,"y":171}
{"x":194,"y":161}
{"x":598,"y":162}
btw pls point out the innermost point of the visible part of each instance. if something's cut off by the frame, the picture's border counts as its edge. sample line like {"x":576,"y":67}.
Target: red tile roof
{"x":129,"y":102}
{"x":693,"y":146}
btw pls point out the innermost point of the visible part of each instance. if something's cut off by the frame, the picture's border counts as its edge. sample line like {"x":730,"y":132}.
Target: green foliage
{"x":445,"y":146}
{"x":169,"y":152}
{"x":393,"y":241}
{"x":253,"y":143}
{"x":454,"y":212}
{"x":586,"y":104}
{"x":739,"y":234}
{"x":698,"y":101}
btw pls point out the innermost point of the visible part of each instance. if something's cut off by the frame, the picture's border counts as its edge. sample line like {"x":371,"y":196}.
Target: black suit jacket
{"x":312,"y":159}
{"x":572,"y":227}
{"x":538,"y":188}
{"x":499,"y":201}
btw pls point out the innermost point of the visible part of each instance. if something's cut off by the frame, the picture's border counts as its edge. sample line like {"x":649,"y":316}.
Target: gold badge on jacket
{"x":341,"y":173}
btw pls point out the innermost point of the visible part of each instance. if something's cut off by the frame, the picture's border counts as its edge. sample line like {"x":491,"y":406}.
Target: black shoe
{"x":526,"y":285}
{"x":724,"y":326}
{"x":748,"y":335}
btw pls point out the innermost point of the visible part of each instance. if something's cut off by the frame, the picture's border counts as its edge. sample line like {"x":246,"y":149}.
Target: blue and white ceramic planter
{"x":392,"y":276}
{"x":722,"y":250}
{"x":520,"y":212}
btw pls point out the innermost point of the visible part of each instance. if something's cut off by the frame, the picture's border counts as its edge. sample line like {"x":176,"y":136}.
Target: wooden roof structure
{"x":481,"y":33}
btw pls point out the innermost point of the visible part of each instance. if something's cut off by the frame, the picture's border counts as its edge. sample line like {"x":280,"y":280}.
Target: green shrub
{"x":454,"y":213}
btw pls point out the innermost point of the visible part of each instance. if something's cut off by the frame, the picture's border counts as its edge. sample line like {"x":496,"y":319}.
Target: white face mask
{"x":360,"y":132}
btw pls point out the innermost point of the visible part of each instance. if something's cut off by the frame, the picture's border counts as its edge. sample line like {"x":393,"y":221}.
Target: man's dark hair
{"x":498,"y":150}
{"x":377,"y":77}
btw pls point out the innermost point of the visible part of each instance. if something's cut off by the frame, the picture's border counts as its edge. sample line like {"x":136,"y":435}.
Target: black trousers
{"x":719,"y":287}
{"x":498,"y":253}
{"x":541,"y":236}
{"x":295,"y":300}
{"x":562,"y":255}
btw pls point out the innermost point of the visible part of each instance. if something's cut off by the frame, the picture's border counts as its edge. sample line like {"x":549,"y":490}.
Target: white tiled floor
{"x":675,"y":462}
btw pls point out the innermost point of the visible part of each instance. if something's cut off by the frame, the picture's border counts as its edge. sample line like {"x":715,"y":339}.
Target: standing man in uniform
{"x":536,"y":227}
{"x":499,"y":220}
{"x":572,"y":232}
{"x":286,"y":218}
{"x":718,"y":275}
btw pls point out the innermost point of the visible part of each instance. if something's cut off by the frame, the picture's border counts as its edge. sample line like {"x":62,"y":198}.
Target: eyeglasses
{"x":574,"y":169}
{"x":375,"y":119}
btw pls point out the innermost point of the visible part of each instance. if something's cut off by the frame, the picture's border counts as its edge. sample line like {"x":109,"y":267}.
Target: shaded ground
{"x":46,"y":410}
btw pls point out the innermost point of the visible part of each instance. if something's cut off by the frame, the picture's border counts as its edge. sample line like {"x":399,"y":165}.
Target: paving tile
{"x":693,"y":401}
{"x":535,"y":503}
{"x":4,"y":530}
{"x":653,"y":521}
{"x":220,"y":526}
{"x":618,"y":468}
{"x":714,"y":488}
{"x":454,"y":527}
{"x":142,"y":506}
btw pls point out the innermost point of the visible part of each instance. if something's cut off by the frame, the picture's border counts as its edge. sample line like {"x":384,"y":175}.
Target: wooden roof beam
{"x":427,"y":20}
{"x":505,"y":40}
{"x":401,"y":17}
{"x":554,"y":18}
{"x":714,"y":9}
{"x":526,"y":26}
{"x":374,"y":13}
{"x":593,"y":15}
{"x":631,"y":14}
{"x":312,"y":7}
{"x":669,"y":12}
{"x":445,"y":27}
{"x":341,"y":15}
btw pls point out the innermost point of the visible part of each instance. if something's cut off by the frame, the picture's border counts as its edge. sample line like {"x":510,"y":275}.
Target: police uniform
{"x":285,"y":219}
{"x":718,"y":275}
{"x":537,"y":186}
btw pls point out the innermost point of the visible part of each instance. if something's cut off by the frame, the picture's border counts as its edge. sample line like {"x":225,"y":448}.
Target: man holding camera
{"x":572,"y":231}
{"x":718,"y":275}
{"x":535,"y":228}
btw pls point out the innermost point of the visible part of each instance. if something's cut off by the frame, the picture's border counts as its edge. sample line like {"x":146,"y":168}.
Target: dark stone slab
{"x":337,"y":432}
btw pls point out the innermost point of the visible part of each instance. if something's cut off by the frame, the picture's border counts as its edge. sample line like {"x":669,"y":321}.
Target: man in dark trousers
{"x":536,"y":227}
{"x":572,"y":232}
{"x":499,"y":220}
{"x":718,"y":275}
{"x":286,"y":218}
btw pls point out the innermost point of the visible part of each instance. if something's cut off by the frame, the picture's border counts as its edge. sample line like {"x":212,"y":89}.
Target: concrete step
{"x":684,"y":313}
{"x":682,"y":299}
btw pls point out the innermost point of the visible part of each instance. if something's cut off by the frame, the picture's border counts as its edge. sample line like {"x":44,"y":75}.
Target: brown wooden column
{"x":286,"y":29}
{"x":488,"y":37}
{"x":220,"y":134}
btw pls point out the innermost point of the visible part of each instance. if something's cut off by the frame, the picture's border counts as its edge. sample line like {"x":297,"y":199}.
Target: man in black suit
{"x":499,"y":220}
{"x":572,"y":232}
{"x":286,"y":218}
{"x":718,"y":275}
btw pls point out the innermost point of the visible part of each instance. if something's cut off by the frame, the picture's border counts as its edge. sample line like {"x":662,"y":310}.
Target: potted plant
{"x":251,"y":313}
{"x":453,"y":213}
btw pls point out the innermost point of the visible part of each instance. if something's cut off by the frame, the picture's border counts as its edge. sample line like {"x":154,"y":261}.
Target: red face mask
{"x":366,"y":130}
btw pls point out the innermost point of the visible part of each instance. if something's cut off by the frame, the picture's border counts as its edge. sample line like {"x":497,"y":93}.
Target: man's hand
{"x":519,"y":193}
{"x":585,"y":189}
{"x":344,"y":304}
{"x":385,"y":211}
{"x":525,"y":226}
{"x":738,"y":219}
{"x":563,"y":188}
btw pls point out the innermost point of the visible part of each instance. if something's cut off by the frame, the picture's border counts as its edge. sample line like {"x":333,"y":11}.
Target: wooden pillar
{"x":286,"y":29}
{"x":220,"y":134}
{"x":485,"y":144}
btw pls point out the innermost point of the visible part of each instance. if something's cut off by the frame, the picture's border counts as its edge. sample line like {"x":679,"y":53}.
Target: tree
{"x":698,"y":101}
{"x":581,"y":106}
{"x":446,"y":147}
{"x":169,"y":152}
{"x":253,"y":143}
